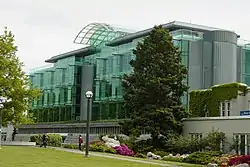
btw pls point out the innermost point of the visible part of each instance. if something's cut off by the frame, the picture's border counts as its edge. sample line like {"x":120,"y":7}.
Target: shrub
{"x":202,"y":158}
{"x":124,"y":150}
{"x":239,"y":160}
{"x":183,"y":145}
{"x":36,"y":138}
{"x":161,"y":153}
{"x":72,"y":146}
{"x":140,"y":155}
{"x":98,"y":143}
{"x":54,"y":140}
{"x":97,"y":148}
{"x":111,"y":150}
{"x":223,"y":159}
{"x":174,"y":159}
{"x":213,"y":140}
{"x":142,"y":146}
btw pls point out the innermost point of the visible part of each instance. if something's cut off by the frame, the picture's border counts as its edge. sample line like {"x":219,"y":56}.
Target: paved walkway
{"x":115,"y":157}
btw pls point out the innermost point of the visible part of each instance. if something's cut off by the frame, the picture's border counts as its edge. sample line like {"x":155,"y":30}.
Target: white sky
{"x":44,"y":28}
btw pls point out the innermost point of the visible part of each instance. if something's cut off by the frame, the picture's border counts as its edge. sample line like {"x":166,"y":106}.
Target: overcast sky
{"x":44,"y":28}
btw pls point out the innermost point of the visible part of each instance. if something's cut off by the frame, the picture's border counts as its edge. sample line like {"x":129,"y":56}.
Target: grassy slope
{"x":157,"y":161}
{"x":40,"y":157}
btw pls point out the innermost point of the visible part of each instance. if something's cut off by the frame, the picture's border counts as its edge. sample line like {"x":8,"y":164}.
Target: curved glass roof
{"x":95,"y":34}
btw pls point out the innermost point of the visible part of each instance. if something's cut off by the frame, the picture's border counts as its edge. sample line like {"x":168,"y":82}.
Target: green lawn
{"x":41,"y":157}
{"x":158,"y":161}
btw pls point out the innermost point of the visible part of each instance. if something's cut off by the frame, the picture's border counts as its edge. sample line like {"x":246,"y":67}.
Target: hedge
{"x":54,"y":140}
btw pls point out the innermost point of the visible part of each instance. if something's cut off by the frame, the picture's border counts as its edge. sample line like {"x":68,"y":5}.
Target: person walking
{"x":44,"y":141}
{"x":80,"y":141}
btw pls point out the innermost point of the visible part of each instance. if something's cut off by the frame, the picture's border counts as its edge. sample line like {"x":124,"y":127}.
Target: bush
{"x":111,"y":150}
{"x":36,"y":138}
{"x":187,"y":145}
{"x":224,"y":158}
{"x":54,"y":140}
{"x":142,"y":146}
{"x":174,"y":159}
{"x":183,"y":145}
{"x":72,"y":146}
{"x":140,"y":155}
{"x":98,"y":143}
{"x":239,"y":160}
{"x":124,"y":150}
{"x":97,"y":148}
{"x":202,"y":158}
{"x":161,"y":153}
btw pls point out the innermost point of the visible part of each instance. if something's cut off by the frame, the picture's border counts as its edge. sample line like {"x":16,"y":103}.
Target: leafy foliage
{"x":72,"y":146}
{"x":174,"y":159}
{"x":54,"y":140}
{"x":213,"y":140}
{"x":153,"y":92}
{"x":207,"y":102}
{"x":202,"y":158}
{"x":186,"y":145}
{"x":140,"y":155}
{"x":14,"y":84}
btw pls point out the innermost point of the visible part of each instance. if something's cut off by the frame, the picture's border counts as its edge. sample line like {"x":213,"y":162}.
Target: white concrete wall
{"x":228,"y":125}
{"x":240,"y":104}
{"x":8,"y":131}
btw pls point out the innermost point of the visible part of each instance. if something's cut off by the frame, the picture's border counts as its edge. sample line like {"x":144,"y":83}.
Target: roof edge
{"x":83,"y":51}
{"x":174,"y":25}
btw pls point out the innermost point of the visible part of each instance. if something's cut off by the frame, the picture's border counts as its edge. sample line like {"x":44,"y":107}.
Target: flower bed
{"x":236,"y":160}
{"x":121,"y":149}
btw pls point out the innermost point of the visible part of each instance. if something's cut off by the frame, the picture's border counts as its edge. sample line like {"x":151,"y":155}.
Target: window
{"x":228,"y":108}
{"x":196,"y":136}
{"x":223,"y":109}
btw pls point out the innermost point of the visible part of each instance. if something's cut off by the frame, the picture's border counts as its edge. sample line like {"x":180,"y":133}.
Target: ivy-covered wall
{"x":207,"y":101}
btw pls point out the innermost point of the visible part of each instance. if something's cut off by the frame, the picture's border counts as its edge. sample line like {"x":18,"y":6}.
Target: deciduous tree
{"x":14,"y":84}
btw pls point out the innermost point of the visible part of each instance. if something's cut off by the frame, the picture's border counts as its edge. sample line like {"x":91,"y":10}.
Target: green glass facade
{"x":61,"y":83}
{"x":245,"y":64}
{"x":205,"y":51}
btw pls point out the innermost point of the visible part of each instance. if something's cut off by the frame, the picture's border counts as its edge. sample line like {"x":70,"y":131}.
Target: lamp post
{"x":89,"y":96}
{"x":2,"y":100}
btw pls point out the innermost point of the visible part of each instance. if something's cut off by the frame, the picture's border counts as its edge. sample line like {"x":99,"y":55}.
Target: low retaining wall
{"x":17,"y":143}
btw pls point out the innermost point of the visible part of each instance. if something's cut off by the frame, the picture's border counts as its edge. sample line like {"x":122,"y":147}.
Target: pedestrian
{"x":80,"y":141}
{"x":44,"y":141}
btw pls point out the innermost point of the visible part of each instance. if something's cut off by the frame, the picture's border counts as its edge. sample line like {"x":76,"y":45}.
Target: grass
{"x":41,"y":157}
{"x":157,"y":161}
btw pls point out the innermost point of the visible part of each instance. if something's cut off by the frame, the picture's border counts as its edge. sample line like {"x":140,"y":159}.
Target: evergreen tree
{"x":14,"y":84}
{"x":153,"y":92}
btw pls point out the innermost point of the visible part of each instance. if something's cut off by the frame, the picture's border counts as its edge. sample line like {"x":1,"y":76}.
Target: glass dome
{"x":95,"y":34}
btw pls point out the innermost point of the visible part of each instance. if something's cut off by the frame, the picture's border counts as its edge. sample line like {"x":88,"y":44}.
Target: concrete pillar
{"x":239,"y":144}
{"x":86,"y":85}
{"x":245,"y":144}
{"x":69,"y":95}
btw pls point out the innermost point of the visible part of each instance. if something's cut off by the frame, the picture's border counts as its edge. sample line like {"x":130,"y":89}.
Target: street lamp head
{"x":89,"y":94}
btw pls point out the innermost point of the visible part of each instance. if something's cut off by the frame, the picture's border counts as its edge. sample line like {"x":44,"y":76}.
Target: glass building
{"x":212,"y":56}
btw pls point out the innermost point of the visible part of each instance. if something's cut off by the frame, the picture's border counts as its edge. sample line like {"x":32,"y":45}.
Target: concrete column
{"x":45,"y":103}
{"x":220,"y":109}
{"x":86,"y":85}
{"x":245,"y":144}
{"x":239,"y":144}
{"x":60,"y":111}
{"x":69,"y":95}
{"x":57,"y":92}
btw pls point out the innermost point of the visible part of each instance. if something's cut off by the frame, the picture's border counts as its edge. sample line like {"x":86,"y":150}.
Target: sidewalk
{"x":115,"y":157}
